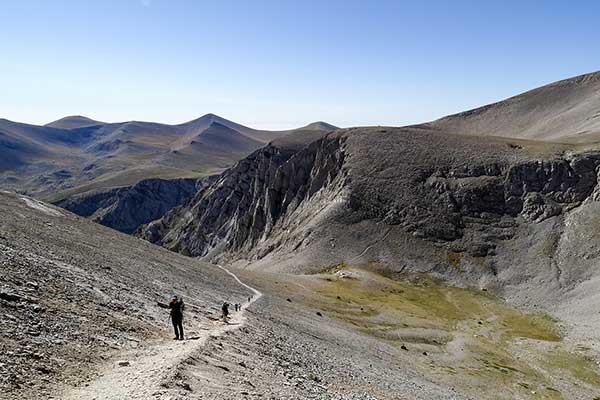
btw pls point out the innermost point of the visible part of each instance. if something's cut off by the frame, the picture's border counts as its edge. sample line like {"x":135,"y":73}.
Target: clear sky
{"x":279,"y":64}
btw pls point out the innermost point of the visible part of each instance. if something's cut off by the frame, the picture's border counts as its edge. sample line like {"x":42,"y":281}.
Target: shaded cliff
{"x":126,"y":208}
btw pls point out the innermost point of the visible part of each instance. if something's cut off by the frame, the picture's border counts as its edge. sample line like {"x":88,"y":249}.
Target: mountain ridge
{"x":78,"y":152}
{"x":566,"y":110}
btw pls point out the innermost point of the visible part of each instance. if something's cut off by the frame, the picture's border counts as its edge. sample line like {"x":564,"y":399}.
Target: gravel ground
{"x":74,"y":295}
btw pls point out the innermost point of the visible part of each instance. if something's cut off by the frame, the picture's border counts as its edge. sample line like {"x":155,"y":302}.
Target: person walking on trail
{"x":225,"y":310}
{"x":176,"y":305}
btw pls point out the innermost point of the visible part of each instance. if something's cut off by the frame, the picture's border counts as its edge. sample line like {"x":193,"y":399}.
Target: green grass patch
{"x":579,"y":366}
{"x":428,"y":304}
{"x":471,"y":336}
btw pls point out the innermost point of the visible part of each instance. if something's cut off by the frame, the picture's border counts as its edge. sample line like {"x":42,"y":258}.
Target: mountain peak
{"x":320,"y":126}
{"x":73,"y":122}
{"x":208,"y":117}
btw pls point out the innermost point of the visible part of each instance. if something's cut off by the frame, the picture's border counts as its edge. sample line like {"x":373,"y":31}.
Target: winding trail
{"x":257,"y":293}
{"x":151,"y":370}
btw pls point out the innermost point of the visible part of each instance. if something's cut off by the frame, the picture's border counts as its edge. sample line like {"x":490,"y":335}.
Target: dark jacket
{"x":176,"y":307}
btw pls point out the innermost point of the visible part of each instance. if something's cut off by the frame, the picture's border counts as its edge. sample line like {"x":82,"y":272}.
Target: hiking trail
{"x":149,"y":368}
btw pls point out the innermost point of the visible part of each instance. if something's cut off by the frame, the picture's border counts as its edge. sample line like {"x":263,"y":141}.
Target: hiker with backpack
{"x":176,"y":305}
{"x":225,"y":310}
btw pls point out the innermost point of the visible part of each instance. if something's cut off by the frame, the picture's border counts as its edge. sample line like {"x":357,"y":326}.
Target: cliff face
{"x":125,"y":209}
{"x":450,"y":204}
{"x":241,"y":209}
{"x":332,"y":201}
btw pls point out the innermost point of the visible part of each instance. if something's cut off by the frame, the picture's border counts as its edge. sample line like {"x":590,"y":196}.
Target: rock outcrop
{"x":240,"y":209}
{"x":126,"y":208}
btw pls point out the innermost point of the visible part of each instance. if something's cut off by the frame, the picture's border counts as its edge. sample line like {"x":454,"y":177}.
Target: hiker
{"x":249,"y":299}
{"x":225,"y":310}
{"x":176,"y":305}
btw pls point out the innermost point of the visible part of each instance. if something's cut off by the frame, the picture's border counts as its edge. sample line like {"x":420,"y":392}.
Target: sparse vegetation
{"x":421,"y":314}
{"x":578,"y":366}
{"x":333,"y":268}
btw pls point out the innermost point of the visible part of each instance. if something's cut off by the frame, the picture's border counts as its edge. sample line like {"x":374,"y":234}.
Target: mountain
{"x":49,"y":137}
{"x":203,"y":122}
{"x":17,"y":151}
{"x":509,"y":215}
{"x":76,"y":154}
{"x":74,"y":122}
{"x":568,"y":110}
{"x":319,"y":126}
{"x":217,"y":145}
{"x":411,"y":233}
{"x":424,"y":261}
{"x":433,"y":179}
{"x":126,"y":208}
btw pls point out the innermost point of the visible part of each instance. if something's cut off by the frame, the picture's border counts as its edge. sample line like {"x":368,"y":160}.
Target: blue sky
{"x":280,"y":64}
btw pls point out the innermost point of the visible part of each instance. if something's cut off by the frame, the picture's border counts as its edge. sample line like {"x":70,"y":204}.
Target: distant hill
{"x":76,"y":154}
{"x":74,"y":121}
{"x":193,"y":127}
{"x":568,"y":110}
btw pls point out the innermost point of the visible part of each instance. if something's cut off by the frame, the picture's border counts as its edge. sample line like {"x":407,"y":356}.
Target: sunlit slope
{"x":567,"y":109}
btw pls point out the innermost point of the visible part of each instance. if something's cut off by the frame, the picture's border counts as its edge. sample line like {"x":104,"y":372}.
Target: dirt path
{"x":148,"y":369}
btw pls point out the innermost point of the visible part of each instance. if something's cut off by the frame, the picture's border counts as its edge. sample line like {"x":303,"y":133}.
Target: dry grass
{"x":472,"y":338}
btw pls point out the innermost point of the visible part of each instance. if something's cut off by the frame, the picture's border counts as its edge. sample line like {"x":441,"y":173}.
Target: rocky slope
{"x":74,"y":294}
{"x":564,"y":110}
{"x":126,"y":208}
{"x":464,"y":194}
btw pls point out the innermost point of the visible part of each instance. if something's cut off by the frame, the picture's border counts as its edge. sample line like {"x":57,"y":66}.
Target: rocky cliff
{"x":126,"y":208}
{"x":239,"y":211}
{"x":409,"y":196}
